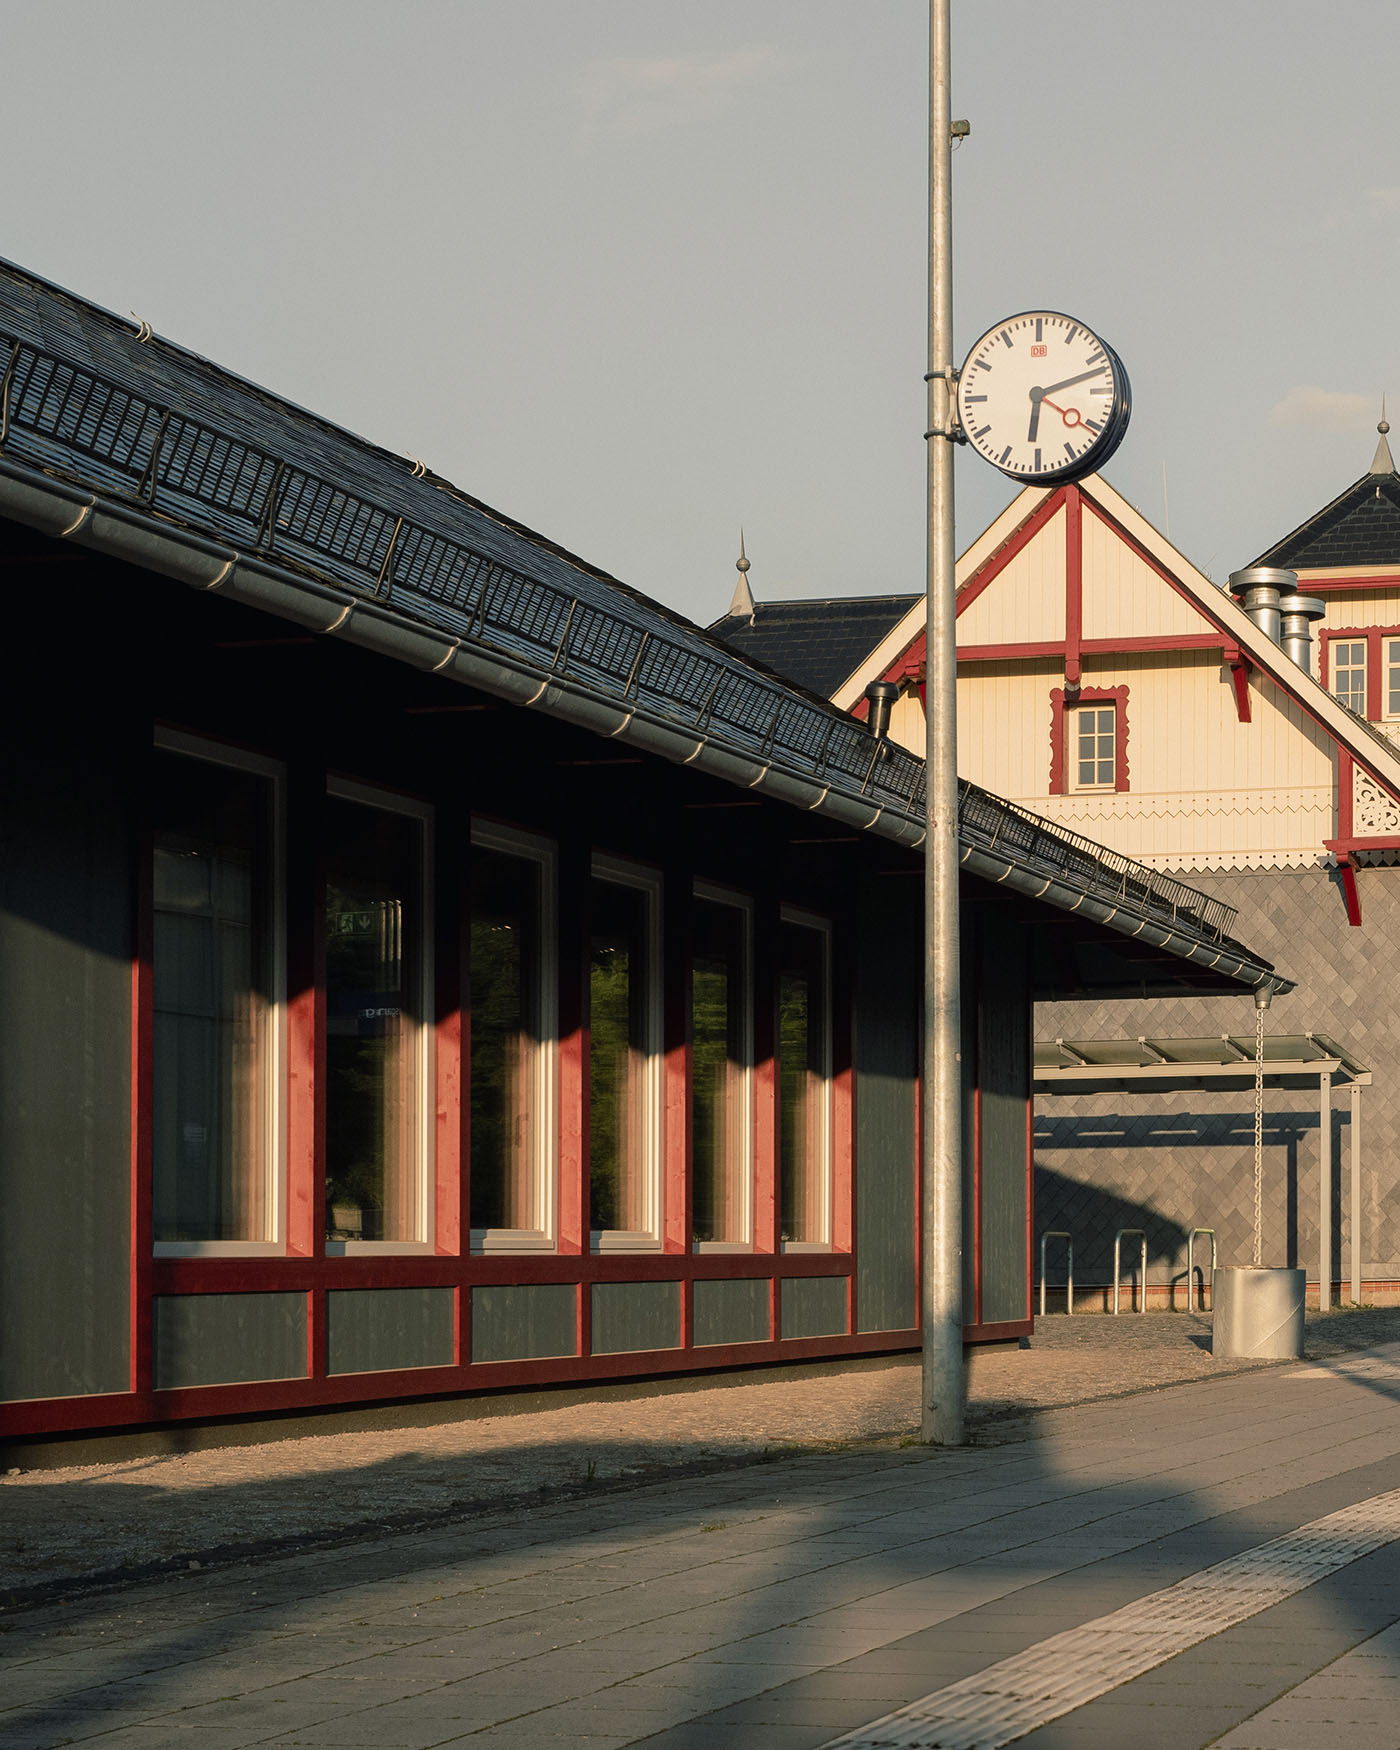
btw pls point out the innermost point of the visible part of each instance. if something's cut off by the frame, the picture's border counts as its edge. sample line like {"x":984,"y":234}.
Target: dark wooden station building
{"x":428,"y":966}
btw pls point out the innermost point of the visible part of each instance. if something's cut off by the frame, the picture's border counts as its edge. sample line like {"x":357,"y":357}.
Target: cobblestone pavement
{"x":228,"y":1502}
{"x":782,"y":1607}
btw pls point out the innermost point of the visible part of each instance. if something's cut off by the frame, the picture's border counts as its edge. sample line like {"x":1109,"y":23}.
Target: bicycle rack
{"x":1055,"y":1233}
{"x":1191,"y":1268}
{"x":1118,"y":1239}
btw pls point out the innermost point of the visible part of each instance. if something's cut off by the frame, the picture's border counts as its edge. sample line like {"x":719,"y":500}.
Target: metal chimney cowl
{"x":1269,"y":595}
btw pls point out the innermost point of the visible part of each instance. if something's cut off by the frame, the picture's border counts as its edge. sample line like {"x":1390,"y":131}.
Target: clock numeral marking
{"x":983,"y":430}
{"x":1007,"y":451}
{"x":1037,"y":461}
{"x":980,"y":365}
{"x":1092,"y":426}
{"x":1006,"y":337}
{"x":1069,"y":451}
{"x":1038,"y":323}
{"x":971,"y":398}
{"x":1073,"y":330}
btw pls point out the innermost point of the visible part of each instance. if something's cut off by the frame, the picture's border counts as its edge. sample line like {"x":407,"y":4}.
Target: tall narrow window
{"x":720,"y":1079}
{"x":1349,"y":673}
{"x":1392,"y":677}
{"x":511,"y":1043}
{"x":624,"y":1059}
{"x":215,"y":1139}
{"x":804,"y":1083}
{"x":377,"y":1029}
{"x":1093,"y":747}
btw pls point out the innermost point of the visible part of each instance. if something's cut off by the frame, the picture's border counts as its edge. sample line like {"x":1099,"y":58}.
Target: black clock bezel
{"x":1103,"y":446}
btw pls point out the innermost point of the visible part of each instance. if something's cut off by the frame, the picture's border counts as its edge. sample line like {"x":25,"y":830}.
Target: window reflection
{"x":507,"y":894}
{"x":719,"y":1073}
{"x":374,"y":955}
{"x":212,"y":979}
{"x":620,"y":1049}
{"x":803,"y":1085}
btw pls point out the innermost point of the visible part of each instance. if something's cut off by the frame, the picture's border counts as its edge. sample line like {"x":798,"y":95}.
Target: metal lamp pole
{"x":944,"y":1384}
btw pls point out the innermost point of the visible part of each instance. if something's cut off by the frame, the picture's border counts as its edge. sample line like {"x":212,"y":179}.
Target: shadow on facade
{"x":1168,"y":1172}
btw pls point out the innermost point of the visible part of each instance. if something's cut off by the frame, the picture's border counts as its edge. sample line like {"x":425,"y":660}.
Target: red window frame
{"x":1060,"y":707}
{"x":1372,"y":637}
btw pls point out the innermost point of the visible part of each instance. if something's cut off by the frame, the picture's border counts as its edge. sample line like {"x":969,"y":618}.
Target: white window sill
{"x":721,"y":1245}
{"x":377,"y":1248}
{"x":511,"y":1239}
{"x":621,"y":1240}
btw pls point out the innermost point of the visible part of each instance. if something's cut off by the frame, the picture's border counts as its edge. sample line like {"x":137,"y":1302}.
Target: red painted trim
{"x":1239,"y":677}
{"x":1116,"y":696}
{"x":993,"y":566}
{"x":1030,"y":1181}
{"x":1371,"y":636}
{"x":1088,"y":647}
{"x":1350,"y":895}
{"x":1344,"y":847}
{"x":977,"y":1189}
{"x":1346,"y":768}
{"x":1005,"y":1332}
{"x":128,"y":1409}
{"x":1074,"y":583}
{"x":1136,"y":547}
{"x":141,"y":1360}
{"x":1344,"y":585}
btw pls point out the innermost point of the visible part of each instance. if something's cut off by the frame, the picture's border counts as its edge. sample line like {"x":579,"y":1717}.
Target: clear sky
{"x":638,"y":272}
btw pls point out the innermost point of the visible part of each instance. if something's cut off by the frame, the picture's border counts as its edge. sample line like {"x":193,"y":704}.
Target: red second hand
{"x":1071,"y":415}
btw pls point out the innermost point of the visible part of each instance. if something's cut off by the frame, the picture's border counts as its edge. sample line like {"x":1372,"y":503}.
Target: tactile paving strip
{"x":1019,"y":1694}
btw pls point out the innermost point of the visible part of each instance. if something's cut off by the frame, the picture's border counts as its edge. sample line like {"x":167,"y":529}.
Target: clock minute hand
{"x":1069,"y":382}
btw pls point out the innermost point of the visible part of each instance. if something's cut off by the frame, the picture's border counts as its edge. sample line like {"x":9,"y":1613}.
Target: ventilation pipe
{"x":1297,"y":613}
{"x":1269,"y":595}
{"x":1260,"y":588}
{"x":881,"y":695}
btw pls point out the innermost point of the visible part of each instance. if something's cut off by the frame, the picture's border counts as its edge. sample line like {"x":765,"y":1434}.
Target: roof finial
{"x":1383,"y":462}
{"x":741,"y":607}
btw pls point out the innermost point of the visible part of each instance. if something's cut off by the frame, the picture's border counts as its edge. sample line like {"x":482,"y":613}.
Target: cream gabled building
{"x":1108,"y":684}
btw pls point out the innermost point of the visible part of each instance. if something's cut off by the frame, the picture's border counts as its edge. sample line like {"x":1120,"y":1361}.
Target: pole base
{"x":1258,"y":1312}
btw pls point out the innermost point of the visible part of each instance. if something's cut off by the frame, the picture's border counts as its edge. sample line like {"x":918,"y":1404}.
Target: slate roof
{"x":818,"y":644}
{"x":1361,"y":527}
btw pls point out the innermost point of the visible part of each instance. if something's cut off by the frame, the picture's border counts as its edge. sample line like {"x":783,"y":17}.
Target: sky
{"x":642,"y":273}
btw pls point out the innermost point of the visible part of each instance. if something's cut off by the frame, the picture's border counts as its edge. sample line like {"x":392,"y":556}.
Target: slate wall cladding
{"x":1171,"y":1162}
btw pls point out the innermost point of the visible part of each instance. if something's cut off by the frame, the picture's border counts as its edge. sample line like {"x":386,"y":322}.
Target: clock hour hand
{"x":1068,"y":382}
{"x":1037,"y":396}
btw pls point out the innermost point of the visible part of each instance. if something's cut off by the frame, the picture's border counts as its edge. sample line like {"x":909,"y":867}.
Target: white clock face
{"x":1042,"y":397}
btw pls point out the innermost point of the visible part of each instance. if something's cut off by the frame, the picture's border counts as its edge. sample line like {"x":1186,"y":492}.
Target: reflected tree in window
{"x":719,"y":1079}
{"x":619,"y":1054}
{"x":803,"y":1084}
{"x":505,"y":1040}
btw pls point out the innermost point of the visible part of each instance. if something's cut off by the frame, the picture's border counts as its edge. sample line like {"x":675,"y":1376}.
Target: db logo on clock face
{"x":1043,"y":398}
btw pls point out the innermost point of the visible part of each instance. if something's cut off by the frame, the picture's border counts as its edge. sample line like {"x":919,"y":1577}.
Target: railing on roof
{"x":52,"y":411}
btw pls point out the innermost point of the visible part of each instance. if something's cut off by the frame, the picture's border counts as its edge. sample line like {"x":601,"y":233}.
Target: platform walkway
{"x":782,"y":1606}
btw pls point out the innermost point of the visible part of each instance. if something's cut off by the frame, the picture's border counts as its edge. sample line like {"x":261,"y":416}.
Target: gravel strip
{"x":102,"y":1523}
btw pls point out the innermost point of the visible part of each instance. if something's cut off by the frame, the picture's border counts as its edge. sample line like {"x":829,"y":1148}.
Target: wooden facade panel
{"x":814,"y":1306}
{"x":1004,"y":1095}
{"x":228,"y":1339}
{"x":630,"y":1316}
{"x":734,"y":1311}
{"x":992,"y":695}
{"x":1124,"y":598}
{"x":886,"y":1048}
{"x":1380,"y":607}
{"x":1028,"y":595}
{"x":66,"y":904}
{"x":371,"y":1330}
{"x":524,"y":1321}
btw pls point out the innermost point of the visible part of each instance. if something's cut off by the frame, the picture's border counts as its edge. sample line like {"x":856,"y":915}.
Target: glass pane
{"x":718,"y":1072}
{"x":374,"y":950}
{"x":212,"y":985}
{"x":505,"y":1040}
{"x":802,"y":1085}
{"x":1349,"y":675}
{"x":1392,"y":677}
{"x":618,"y":1058}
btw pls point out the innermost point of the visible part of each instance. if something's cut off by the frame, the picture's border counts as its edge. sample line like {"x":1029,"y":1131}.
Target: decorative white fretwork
{"x":1374,"y":812}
